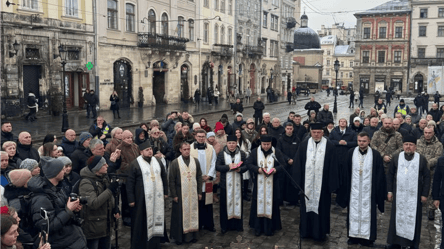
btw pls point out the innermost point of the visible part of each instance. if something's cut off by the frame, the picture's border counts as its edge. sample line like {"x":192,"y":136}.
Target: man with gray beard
{"x":408,"y":184}
{"x":316,"y":167}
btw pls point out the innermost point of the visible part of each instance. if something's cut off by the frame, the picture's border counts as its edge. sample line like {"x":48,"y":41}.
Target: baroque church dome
{"x":305,"y":37}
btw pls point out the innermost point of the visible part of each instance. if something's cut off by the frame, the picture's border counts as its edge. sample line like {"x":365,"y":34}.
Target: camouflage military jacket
{"x":430,"y":150}
{"x":386,"y":148}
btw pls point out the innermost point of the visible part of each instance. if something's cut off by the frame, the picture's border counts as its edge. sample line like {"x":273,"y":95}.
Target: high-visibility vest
{"x":403,"y":111}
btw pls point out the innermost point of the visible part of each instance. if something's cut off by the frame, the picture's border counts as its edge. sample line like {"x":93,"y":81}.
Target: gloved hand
{"x":113,"y":187}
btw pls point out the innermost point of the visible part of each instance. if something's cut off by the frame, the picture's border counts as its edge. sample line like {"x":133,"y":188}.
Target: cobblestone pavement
{"x":288,"y":237}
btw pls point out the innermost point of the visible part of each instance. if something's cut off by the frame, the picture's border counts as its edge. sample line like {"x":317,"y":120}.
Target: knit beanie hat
{"x":210,"y":134}
{"x":65,"y":160}
{"x":51,"y":166}
{"x":95,"y":163}
{"x":84,"y":136}
{"x":219,"y":126}
{"x":29,"y":164}
{"x":19,"y":177}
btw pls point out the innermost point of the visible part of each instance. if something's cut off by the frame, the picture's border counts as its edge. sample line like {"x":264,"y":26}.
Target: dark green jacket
{"x":97,"y":213}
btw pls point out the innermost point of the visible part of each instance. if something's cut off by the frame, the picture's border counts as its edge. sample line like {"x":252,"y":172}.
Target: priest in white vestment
{"x":316,"y":171}
{"x":185,"y":184}
{"x":231,"y":163}
{"x":147,"y":187}
{"x":363,"y":191}
{"x":265,"y":216}
{"x":408,"y":184}
{"x":206,"y":155}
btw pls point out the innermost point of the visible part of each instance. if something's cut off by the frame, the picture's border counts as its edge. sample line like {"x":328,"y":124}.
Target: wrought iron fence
{"x":166,"y":42}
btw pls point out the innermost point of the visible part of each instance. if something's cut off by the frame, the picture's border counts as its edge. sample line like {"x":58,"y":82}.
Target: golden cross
{"x":153,"y":177}
{"x":360,"y":172}
{"x":189,"y":175}
{"x":266,"y":168}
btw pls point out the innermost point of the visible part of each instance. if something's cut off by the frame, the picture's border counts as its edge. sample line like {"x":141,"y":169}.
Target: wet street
{"x":288,"y":237}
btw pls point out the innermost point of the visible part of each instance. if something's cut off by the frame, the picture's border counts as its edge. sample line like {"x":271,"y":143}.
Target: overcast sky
{"x":335,"y":11}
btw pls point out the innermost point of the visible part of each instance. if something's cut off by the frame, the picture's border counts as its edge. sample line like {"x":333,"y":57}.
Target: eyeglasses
{"x":156,"y":133}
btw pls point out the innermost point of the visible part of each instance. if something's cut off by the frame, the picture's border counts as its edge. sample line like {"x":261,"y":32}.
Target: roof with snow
{"x":394,"y":6}
{"x":344,"y":50}
{"x":328,"y":40}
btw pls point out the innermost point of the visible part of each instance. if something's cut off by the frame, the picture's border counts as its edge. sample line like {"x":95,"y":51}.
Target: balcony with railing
{"x":427,"y":61}
{"x":253,"y":51}
{"x":222,"y":50}
{"x":159,"y":41}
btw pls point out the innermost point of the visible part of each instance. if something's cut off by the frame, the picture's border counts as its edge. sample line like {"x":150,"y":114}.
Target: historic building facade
{"x":382,"y":47}
{"x":249,"y":48}
{"x":427,"y":44}
{"x":345,"y":35}
{"x":32,"y":32}
{"x":345,"y":54}
{"x":149,"y":47}
{"x":328,"y":44}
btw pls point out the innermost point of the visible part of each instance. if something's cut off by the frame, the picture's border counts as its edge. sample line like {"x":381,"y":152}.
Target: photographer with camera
{"x":64,"y":233}
{"x":100,"y":211}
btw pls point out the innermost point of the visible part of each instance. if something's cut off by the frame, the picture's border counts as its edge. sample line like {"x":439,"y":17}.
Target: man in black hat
{"x":316,"y":171}
{"x":231,"y":165}
{"x":147,"y":187}
{"x":265,"y":215}
{"x":408,"y":184}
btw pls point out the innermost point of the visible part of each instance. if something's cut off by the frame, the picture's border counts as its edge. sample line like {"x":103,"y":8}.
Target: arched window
{"x":152,"y":21}
{"x":180,"y":26}
{"x":222,"y":35}
{"x":164,"y":24}
{"x":191,"y":29}
{"x":230,"y":36}
{"x":216,"y":33}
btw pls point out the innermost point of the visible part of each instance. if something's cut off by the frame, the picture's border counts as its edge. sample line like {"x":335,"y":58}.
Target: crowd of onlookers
{"x":43,"y":189}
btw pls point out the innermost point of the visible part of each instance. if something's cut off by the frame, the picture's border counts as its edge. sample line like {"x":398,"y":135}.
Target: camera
{"x":82,"y":199}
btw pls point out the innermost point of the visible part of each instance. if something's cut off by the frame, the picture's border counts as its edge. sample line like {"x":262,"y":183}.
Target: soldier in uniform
{"x":387,"y":141}
{"x":431,"y":148}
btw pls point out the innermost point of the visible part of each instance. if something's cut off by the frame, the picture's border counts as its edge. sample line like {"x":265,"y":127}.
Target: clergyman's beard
{"x":409,"y":152}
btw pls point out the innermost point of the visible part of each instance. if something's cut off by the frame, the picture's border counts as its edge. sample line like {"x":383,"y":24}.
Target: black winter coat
{"x":357,"y":129}
{"x":27,"y":151}
{"x":116,"y":102}
{"x":7,"y":136}
{"x":276,"y":132}
{"x":436,"y":114}
{"x":288,"y":145}
{"x":238,"y":107}
{"x":312,"y":106}
{"x":79,"y":158}
{"x":258,"y":107}
{"x":325,"y":117}
{"x":370,"y":130}
{"x":63,"y":233}
{"x":418,"y":101}
{"x":68,"y":146}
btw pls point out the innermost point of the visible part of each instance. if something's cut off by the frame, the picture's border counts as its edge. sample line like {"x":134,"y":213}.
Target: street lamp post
{"x":271,"y":77}
{"x":335,"y":108}
{"x":63,"y":52}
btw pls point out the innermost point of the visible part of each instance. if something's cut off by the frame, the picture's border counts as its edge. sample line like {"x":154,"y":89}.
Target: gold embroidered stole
{"x":264,"y":185}
{"x":190,"y":204}
{"x":234,"y":189}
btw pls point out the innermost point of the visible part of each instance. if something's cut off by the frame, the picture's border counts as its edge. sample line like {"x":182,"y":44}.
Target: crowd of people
{"x":71,"y":194}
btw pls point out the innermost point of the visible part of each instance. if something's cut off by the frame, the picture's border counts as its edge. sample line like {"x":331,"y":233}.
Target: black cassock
{"x":262,"y":224}
{"x":378,"y":192}
{"x":223,"y":168}
{"x":423,"y":190}
{"x":136,"y":193}
{"x":314,"y":225}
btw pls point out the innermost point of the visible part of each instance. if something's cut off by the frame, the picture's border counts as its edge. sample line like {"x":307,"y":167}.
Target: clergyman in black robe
{"x":175,"y":184}
{"x":234,"y":223}
{"x":317,"y":225}
{"x":136,"y":200}
{"x":377,"y":194}
{"x":409,"y":145}
{"x":437,"y":191}
{"x":261,"y":223}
